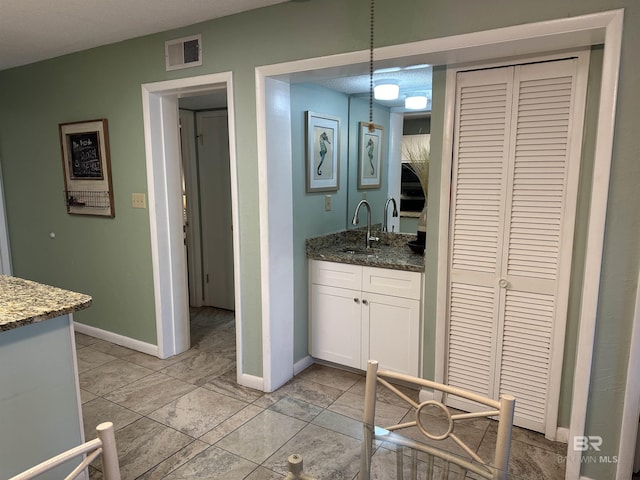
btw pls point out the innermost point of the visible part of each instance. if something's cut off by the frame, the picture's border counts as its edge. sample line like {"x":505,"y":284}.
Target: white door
{"x":191,"y":205}
{"x":215,"y":208}
{"x":514,"y":185}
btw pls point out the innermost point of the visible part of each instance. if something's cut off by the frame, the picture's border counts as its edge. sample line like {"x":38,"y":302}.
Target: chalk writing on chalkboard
{"x":85,"y":156}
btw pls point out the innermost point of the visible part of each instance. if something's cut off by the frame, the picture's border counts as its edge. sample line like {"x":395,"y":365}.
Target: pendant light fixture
{"x":371,"y":29}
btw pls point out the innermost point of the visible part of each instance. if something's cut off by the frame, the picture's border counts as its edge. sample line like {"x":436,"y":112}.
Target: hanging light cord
{"x":372,"y":9}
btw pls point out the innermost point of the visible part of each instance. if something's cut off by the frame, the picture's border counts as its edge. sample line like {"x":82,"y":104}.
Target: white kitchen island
{"x":40,"y":412}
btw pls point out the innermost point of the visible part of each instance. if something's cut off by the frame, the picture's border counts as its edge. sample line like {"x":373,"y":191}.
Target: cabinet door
{"x":336,"y":330}
{"x":392,"y":327}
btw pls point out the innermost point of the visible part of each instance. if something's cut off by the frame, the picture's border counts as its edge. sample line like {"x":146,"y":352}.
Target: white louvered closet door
{"x":509,"y":220}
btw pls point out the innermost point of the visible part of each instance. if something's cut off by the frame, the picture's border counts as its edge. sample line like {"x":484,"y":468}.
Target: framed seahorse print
{"x":369,"y":156}
{"x":322,"y":152}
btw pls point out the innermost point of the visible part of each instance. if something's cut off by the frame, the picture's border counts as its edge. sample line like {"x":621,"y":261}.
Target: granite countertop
{"x":391,"y":251}
{"x":23,"y":302}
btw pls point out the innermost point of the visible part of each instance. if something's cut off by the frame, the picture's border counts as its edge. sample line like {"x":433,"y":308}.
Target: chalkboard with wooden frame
{"x":87,"y":168}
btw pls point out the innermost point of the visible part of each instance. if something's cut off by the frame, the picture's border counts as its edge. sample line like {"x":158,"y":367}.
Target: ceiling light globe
{"x":386,"y":91}
{"x":415,"y":102}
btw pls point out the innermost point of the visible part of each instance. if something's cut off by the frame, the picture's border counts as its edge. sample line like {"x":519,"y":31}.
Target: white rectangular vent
{"x":183,"y":52}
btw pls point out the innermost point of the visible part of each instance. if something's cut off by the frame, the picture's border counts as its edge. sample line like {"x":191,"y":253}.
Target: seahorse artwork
{"x":370,"y":147}
{"x":323,"y":150}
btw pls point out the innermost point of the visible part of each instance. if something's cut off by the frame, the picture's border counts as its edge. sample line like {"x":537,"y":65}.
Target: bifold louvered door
{"x":510,"y":223}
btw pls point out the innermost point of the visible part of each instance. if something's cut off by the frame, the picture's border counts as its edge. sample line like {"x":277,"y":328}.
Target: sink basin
{"x":359,"y":251}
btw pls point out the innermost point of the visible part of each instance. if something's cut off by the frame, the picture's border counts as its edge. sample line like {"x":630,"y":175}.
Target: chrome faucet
{"x":355,"y":221}
{"x":394,"y":214}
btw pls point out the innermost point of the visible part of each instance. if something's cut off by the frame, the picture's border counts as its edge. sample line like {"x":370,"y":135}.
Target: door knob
{"x":503,"y":283}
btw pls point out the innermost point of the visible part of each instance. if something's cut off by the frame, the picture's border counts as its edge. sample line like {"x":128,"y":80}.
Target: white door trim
{"x":631,"y":407}
{"x":160,"y":111}
{"x":596,"y":230}
{"x":276,"y":230}
{"x":526,"y":39}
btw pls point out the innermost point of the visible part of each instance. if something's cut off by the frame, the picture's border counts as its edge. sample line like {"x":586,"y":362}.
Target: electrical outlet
{"x":138,"y":200}
{"x":327,"y":203}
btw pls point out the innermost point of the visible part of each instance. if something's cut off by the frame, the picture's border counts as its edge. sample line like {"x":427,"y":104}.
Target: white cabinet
{"x":336,"y":328}
{"x":359,"y":313}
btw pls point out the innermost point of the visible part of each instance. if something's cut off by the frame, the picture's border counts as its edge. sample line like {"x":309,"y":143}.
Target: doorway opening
{"x":161,"y":103}
{"x":206,"y":186}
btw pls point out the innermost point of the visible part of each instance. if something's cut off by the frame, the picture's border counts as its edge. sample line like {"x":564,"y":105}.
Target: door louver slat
{"x":526,"y":352}
{"x":471,"y":338}
{"x":532,"y":186}
{"x":478,"y":176}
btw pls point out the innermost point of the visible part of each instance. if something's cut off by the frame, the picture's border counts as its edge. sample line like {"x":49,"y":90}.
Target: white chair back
{"x":495,"y":468}
{"x":104,"y":445}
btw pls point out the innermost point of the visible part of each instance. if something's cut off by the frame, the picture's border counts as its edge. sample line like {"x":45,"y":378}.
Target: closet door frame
{"x":553,"y":398}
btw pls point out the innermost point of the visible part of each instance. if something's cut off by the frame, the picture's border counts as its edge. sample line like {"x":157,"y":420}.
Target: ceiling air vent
{"x":183,"y":52}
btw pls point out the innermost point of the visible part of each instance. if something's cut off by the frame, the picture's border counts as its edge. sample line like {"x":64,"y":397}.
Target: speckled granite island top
{"x":391,"y":251}
{"x":23,"y":302}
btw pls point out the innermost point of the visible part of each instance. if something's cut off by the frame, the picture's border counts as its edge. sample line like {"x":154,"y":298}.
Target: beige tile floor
{"x":185,"y":417}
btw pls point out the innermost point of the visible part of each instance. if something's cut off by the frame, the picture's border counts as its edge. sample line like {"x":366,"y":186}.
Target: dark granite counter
{"x":23,"y":302}
{"x":391,"y":251}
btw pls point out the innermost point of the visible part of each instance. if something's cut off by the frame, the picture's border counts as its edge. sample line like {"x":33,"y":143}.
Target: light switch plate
{"x":327,"y":203}
{"x":138,"y":200}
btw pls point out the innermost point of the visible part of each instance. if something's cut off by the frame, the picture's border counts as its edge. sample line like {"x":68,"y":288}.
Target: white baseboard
{"x":300,"y":365}
{"x":425,"y":395}
{"x":562,"y":435}
{"x":116,"y":338}
{"x":251,"y":381}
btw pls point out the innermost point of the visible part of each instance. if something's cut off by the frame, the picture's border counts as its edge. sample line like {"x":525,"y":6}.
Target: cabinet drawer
{"x":398,"y":283}
{"x":335,"y":274}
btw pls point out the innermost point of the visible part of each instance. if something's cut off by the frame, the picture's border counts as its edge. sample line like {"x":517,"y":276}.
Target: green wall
{"x":110,"y":259}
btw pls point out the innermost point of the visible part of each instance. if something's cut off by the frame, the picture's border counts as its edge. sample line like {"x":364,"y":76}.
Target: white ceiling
{"x":34,"y":30}
{"x":412,"y":80}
